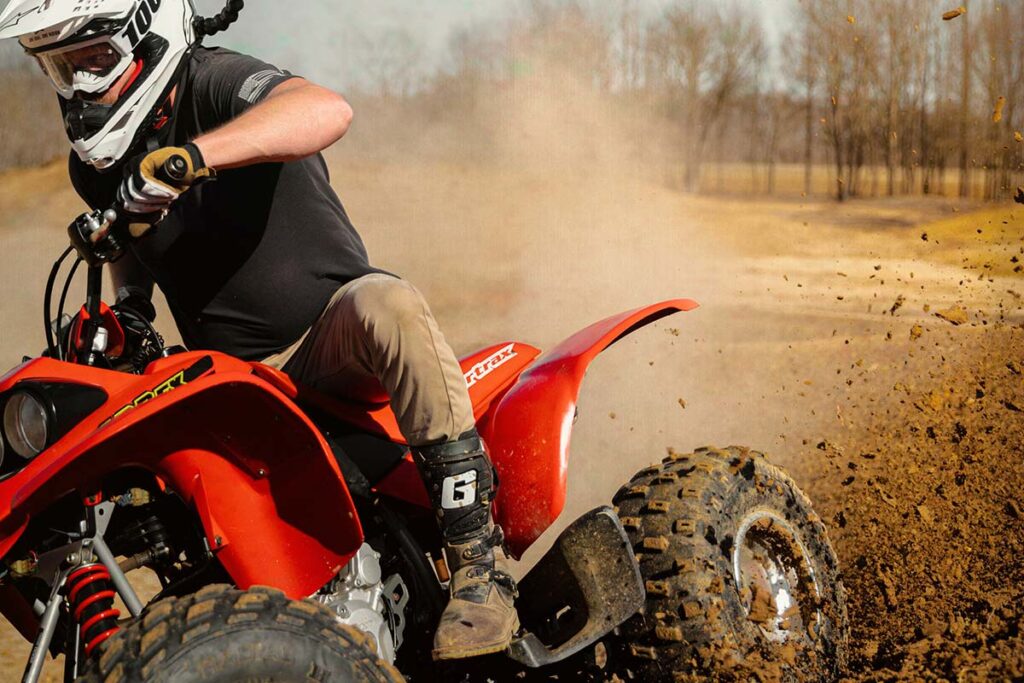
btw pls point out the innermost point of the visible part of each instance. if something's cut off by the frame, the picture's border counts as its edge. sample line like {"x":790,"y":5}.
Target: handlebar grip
{"x":175,"y":169}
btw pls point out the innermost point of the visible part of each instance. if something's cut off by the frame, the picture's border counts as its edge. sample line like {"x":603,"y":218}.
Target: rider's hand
{"x":149,"y":189}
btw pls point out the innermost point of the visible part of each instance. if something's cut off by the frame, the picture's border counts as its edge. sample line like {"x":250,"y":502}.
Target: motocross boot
{"x":480,"y":617}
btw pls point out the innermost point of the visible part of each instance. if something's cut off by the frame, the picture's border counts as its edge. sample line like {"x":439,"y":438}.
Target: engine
{"x":361,"y":599}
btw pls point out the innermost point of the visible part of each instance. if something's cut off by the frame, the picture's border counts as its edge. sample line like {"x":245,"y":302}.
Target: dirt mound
{"x":926,"y":503}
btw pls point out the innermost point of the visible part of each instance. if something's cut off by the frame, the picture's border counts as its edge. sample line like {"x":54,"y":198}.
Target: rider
{"x":264,"y":263}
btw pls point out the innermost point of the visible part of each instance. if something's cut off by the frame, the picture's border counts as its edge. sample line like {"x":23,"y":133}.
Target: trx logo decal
{"x":180,"y":379}
{"x":487,"y":365}
{"x":163,"y":388}
{"x":139,"y":25}
{"x":458,"y":490}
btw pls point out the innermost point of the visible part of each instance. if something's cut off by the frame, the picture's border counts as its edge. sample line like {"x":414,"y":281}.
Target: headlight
{"x":26,"y":424}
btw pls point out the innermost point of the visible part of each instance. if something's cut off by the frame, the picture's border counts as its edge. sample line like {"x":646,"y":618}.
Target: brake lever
{"x":102,"y":230}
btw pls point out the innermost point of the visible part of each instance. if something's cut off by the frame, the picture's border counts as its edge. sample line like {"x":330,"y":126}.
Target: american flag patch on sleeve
{"x":255,"y":86}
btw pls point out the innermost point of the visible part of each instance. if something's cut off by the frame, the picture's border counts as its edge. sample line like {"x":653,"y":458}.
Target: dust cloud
{"x":526,"y":208}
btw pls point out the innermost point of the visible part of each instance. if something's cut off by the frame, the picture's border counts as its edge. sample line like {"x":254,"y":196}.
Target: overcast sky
{"x":325,"y":38}
{"x":331,"y":40}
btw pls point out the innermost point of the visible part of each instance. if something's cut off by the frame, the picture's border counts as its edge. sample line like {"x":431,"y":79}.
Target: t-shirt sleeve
{"x":229,"y":83}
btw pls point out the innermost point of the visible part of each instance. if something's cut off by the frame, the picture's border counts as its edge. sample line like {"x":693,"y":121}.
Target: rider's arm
{"x":128,"y":272}
{"x":296,"y":119}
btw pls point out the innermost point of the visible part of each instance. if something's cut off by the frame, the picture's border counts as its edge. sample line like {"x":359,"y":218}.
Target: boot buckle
{"x":481,"y":548}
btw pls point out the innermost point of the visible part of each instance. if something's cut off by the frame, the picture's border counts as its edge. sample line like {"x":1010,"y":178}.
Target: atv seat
{"x":364,"y":437}
{"x":489,"y":373}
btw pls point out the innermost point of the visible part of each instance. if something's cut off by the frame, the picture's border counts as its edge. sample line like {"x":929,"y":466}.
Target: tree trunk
{"x":773,"y":148}
{"x":837,"y":148}
{"x":809,"y":132}
{"x":924,"y":141}
{"x":890,"y":139}
{"x":965,"y":93}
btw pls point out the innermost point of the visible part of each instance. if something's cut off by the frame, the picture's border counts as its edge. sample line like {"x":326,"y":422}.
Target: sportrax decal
{"x":196,"y":370}
{"x":487,"y":365}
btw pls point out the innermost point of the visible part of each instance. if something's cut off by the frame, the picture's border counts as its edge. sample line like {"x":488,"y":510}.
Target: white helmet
{"x":85,"y":46}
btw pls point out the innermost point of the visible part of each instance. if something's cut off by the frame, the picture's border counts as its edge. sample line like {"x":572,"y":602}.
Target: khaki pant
{"x":377,"y":335}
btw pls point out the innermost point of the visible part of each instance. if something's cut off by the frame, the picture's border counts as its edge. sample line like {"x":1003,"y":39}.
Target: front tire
{"x":741,"y":578}
{"x":223,"y":635}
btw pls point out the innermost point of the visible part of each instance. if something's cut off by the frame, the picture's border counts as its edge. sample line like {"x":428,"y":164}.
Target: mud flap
{"x":585,"y":586}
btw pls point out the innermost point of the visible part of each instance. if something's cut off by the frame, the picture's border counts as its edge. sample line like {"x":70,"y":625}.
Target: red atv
{"x":293,"y":539}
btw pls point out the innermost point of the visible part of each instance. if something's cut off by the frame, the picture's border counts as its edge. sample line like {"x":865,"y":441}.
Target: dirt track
{"x":904,"y":429}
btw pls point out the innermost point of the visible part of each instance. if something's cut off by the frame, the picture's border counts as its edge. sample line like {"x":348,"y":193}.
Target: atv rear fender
{"x":528,"y":430}
{"x":273,"y":505}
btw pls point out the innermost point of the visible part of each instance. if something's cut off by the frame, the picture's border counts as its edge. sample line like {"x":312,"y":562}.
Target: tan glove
{"x":153,"y":181}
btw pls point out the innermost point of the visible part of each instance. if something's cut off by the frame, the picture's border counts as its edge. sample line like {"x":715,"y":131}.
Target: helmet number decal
{"x":139,"y":25}
{"x":458,"y":490}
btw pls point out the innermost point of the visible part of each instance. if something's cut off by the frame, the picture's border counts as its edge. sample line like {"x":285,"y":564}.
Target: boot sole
{"x":480,"y":650}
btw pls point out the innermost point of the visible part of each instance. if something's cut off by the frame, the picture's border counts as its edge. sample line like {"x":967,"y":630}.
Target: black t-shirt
{"x":248,"y":261}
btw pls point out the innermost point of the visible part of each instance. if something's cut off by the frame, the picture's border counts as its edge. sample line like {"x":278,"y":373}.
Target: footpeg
{"x":584,"y":587}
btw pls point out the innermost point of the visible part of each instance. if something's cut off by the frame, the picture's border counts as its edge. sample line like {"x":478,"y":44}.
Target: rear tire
{"x":223,"y":635}
{"x":741,"y":579}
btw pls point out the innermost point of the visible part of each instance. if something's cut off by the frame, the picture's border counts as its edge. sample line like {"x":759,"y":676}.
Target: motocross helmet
{"x":85,"y":46}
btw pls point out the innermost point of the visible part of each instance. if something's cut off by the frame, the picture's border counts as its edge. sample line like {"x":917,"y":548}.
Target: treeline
{"x":850,"y":97}
{"x":887,"y":98}
{"x":915,"y":90}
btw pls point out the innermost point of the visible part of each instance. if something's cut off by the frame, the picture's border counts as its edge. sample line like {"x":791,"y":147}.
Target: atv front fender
{"x":273,"y":505}
{"x":529,"y":429}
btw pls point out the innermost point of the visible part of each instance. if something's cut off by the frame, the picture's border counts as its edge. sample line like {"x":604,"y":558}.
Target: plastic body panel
{"x":530,"y":427}
{"x":524,"y":408}
{"x":273,"y":505}
{"x":489,"y":373}
{"x":232,"y":442}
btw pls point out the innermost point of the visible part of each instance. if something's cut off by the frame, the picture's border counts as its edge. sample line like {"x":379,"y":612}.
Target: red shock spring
{"x":91,"y":596}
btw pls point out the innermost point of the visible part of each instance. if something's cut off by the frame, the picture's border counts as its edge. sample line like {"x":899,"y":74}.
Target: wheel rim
{"x":776,"y":580}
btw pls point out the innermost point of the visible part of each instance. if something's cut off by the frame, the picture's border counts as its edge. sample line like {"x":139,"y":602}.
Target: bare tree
{"x":1002,"y":79}
{"x":703,"y":60}
{"x":965,"y":99}
{"x":801,"y":60}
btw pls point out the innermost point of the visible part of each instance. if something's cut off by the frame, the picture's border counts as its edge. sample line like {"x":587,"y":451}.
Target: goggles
{"x":89,"y":67}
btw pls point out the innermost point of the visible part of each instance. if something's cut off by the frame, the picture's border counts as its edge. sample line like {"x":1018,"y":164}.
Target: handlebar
{"x":174,"y":169}
{"x":99,"y":237}
{"x":93,"y":235}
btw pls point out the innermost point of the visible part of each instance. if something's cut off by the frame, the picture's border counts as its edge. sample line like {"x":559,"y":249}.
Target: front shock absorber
{"x":91,"y":597}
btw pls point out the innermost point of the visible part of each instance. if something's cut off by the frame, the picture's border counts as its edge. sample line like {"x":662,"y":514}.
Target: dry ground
{"x":817,"y":341}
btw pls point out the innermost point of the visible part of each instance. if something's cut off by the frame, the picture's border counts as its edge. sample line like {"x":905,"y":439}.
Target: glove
{"x":150,"y":188}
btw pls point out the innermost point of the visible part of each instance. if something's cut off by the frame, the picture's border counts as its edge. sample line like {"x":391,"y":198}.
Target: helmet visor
{"x":90,"y":67}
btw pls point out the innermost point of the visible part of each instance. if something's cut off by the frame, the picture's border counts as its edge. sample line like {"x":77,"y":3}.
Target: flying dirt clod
{"x":997,"y":113}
